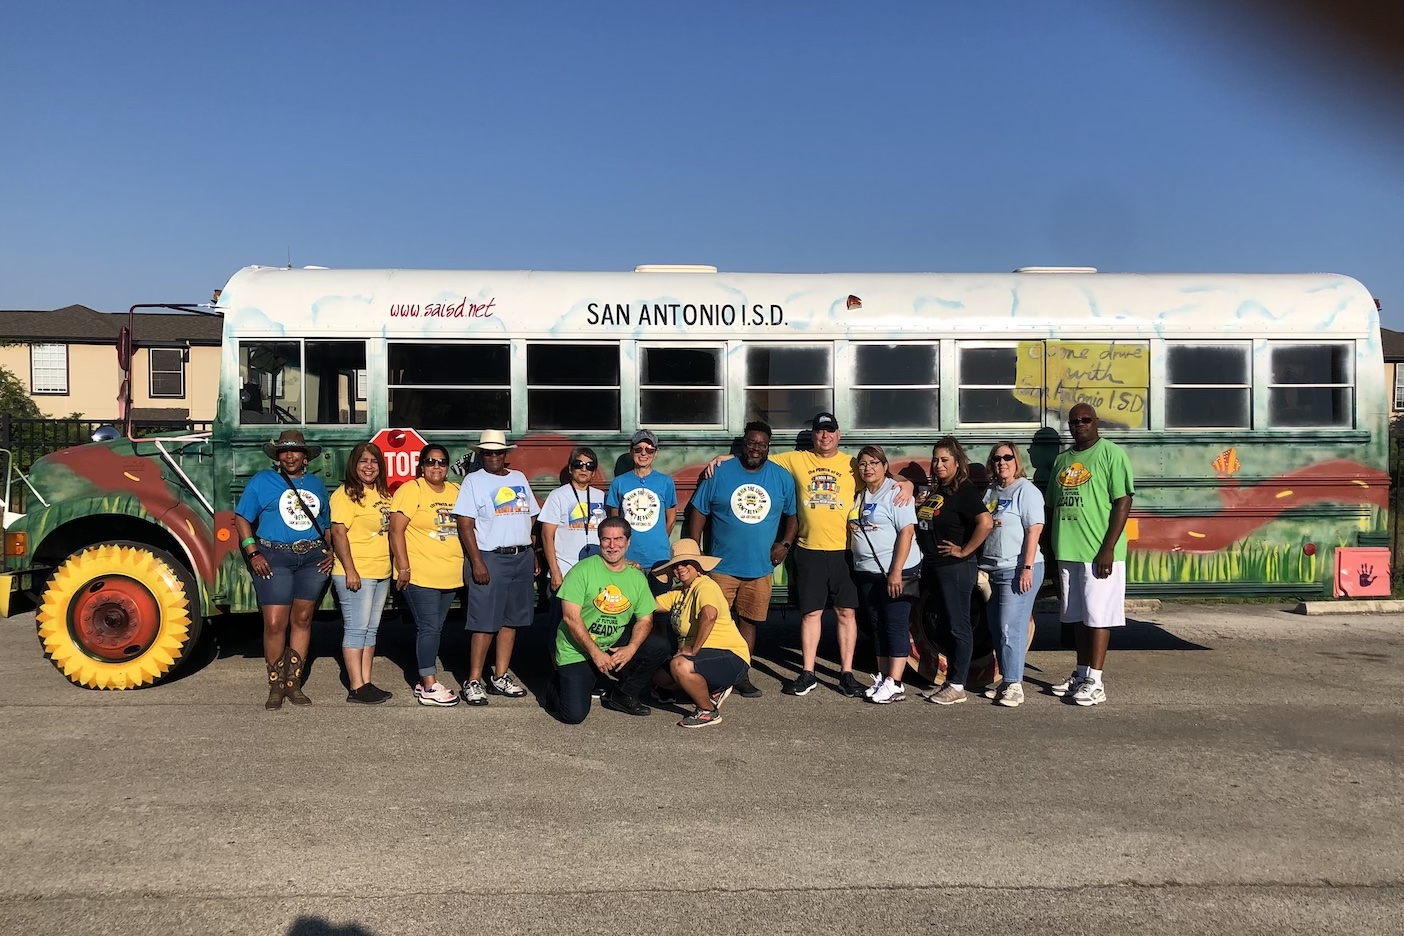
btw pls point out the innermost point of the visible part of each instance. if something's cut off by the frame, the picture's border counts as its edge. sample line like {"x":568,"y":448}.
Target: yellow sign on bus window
{"x":1113,"y":377}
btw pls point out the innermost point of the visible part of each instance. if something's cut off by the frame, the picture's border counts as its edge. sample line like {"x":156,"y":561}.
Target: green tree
{"x":14,"y":397}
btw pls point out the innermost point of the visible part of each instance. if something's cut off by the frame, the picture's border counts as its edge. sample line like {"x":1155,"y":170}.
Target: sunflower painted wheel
{"x":118,"y":616}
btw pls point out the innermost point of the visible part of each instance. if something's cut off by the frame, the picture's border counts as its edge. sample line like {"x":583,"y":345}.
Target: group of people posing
{"x":860,"y":539}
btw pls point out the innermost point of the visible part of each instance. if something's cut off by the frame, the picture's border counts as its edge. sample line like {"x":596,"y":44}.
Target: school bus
{"x":1253,"y":408}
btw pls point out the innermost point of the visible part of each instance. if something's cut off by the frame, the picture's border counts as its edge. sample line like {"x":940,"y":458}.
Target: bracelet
{"x":250,"y":555}
{"x":247,"y":542}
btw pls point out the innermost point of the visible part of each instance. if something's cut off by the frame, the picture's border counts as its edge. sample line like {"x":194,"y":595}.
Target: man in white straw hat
{"x":712,"y":655}
{"x":495,"y":510}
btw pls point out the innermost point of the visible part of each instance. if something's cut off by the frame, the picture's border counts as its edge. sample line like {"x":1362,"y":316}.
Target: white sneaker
{"x":474,"y":693}
{"x":992,"y":692}
{"x":505,"y":686}
{"x":1067,"y":686}
{"x":437,"y":694}
{"x":1011,"y":695}
{"x":877,"y":681}
{"x":889,"y":691}
{"x":1089,"y":693}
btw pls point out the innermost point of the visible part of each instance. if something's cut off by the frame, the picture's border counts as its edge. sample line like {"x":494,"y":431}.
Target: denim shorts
{"x":360,"y":610}
{"x":295,"y":578}
{"x":721,"y":668}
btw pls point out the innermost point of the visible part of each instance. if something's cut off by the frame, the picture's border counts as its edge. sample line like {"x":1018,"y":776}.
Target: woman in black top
{"x":951,"y":525}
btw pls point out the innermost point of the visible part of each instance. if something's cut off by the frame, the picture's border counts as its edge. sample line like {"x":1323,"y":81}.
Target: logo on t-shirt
{"x":384,"y":519}
{"x":294,"y":516}
{"x":750,"y":503}
{"x":823,"y":490}
{"x":444,"y":526}
{"x":930,"y":510}
{"x":510,"y":500}
{"x":585,"y":517}
{"x":861,"y":517}
{"x":642,"y":508}
{"x":1075,"y":475}
{"x":611,"y":600}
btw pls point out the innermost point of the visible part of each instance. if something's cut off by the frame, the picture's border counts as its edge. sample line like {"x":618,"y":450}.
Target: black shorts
{"x":823,"y":576}
{"x":721,"y":668}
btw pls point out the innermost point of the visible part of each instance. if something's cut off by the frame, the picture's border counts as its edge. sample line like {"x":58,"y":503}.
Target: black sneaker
{"x":365,"y":695}
{"x":802,"y":684}
{"x":849,"y":685}
{"x":627,"y":704}
{"x":380,"y":694}
{"x":747,"y":689}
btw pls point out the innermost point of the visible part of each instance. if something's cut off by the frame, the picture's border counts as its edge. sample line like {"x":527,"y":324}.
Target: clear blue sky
{"x":152,"y":149}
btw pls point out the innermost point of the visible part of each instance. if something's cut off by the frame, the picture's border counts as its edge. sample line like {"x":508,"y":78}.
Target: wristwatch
{"x":1028,"y":568}
{"x":785,"y":543}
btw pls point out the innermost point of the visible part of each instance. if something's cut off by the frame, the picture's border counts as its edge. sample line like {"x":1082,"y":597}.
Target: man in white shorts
{"x":1089,"y":501}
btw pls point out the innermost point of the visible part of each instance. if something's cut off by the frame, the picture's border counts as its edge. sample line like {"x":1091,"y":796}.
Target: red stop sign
{"x":401,"y":448}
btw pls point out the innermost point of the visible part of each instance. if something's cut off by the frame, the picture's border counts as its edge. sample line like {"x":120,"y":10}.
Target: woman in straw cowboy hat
{"x":282,"y":518}
{"x":712,"y":655}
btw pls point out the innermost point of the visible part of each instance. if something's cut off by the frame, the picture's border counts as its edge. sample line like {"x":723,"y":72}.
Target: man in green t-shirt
{"x":1089,"y":502}
{"x":600,"y":596}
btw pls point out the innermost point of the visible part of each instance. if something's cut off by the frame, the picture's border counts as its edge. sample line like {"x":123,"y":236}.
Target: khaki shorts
{"x":748,"y":598}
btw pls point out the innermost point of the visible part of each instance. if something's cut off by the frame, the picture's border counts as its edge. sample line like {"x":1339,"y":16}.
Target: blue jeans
{"x":1008,"y":613}
{"x":360,"y":610}
{"x":568,"y":695}
{"x":429,"y":606}
{"x":890,"y":618}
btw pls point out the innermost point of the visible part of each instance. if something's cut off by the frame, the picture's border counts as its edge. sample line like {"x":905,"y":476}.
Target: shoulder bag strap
{"x":297,"y":496}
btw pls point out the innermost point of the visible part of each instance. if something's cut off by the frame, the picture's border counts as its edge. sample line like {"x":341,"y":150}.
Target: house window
{"x":1311,"y":385}
{"x":573,"y":387}
{"x":449,"y":386}
{"x":1399,"y":386}
{"x":1207,"y":386}
{"x":681,"y":386}
{"x":48,"y":368}
{"x":788,"y":385}
{"x":895,"y":386}
{"x":167,"y":373}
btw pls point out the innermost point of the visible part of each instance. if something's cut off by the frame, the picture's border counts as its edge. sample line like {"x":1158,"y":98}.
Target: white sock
{"x":1095,"y":675}
{"x":1081,"y":671}
{"x":957,"y":685}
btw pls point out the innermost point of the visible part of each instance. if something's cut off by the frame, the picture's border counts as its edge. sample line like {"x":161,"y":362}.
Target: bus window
{"x":681,"y":386}
{"x":1208,"y":386}
{"x":1310,"y":385}
{"x":270,"y":377}
{"x":895,"y":386}
{"x":450,"y":386}
{"x":572,"y":387}
{"x":331,"y":382}
{"x":788,"y":385}
{"x":998,"y":385}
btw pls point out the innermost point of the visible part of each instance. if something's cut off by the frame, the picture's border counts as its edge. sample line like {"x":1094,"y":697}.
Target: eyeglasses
{"x":1082,"y":421}
{"x":435,"y":462}
{"x":645,"y":449}
{"x":757,"y":443}
{"x":582,"y":466}
{"x":862,"y":465}
{"x":1008,"y":457}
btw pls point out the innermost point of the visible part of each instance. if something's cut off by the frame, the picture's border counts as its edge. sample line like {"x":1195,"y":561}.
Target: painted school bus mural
{"x":1252,"y":407}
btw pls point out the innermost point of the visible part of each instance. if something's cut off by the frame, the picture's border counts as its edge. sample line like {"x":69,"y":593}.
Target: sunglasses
{"x":436,"y":462}
{"x":1006,"y":458}
{"x":1081,"y":421}
{"x":582,"y":466}
{"x":645,"y":449}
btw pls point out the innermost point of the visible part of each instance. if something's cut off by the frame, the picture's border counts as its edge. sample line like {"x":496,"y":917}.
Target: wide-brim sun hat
{"x":493,"y":440}
{"x":684,"y":550}
{"x":291,"y":440}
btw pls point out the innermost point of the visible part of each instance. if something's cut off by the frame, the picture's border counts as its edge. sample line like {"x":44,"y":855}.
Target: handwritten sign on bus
{"x":1113,"y":377}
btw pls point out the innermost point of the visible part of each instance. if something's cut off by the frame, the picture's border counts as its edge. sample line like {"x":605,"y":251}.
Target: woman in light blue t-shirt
{"x":1011,"y":558}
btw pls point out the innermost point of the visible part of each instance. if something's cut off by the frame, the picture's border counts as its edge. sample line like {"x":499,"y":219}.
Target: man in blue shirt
{"x":648,"y":500}
{"x":750,"y":499}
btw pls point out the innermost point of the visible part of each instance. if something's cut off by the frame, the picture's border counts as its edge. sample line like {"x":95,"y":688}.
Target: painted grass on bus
{"x":1248,"y":561}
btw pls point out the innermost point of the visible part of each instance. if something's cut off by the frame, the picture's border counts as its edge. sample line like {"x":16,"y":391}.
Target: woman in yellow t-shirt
{"x":360,"y":520}
{"x":712,"y":655}
{"x":428,"y":562}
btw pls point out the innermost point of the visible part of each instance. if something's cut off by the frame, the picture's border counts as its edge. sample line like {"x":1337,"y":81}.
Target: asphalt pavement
{"x":1244,"y":777}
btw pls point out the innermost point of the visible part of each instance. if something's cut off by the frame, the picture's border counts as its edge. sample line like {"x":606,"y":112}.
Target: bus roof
{"x":263,"y":301}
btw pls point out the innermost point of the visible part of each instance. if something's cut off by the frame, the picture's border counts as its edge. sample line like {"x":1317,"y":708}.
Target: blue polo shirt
{"x":745,"y":507}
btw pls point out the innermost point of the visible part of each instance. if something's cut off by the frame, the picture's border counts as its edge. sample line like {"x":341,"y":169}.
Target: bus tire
{"x":119,"y":616}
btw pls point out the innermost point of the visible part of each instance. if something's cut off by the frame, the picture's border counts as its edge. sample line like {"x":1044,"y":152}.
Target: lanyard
{"x":589,"y":512}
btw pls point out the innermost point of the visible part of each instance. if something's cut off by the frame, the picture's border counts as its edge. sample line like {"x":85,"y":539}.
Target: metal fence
{"x":28,"y":440}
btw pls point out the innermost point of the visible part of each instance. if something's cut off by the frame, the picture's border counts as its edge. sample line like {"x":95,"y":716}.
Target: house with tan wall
{"x":67,"y":358}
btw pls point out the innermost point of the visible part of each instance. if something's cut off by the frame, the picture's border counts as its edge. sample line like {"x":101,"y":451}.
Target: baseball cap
{"x":826,"y":421}
{"x":644,"y":435}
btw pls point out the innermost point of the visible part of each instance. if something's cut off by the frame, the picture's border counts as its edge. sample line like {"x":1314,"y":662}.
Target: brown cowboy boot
{"x":275,"y":685}
{"x":292,"y":678}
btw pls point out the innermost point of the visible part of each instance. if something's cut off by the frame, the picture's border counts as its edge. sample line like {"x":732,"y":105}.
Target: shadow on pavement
{"x":316,"y":926}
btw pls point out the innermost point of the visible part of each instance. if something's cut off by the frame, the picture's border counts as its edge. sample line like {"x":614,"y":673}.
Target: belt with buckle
{"x":510,"y":550}
{"x":301,"y":547}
